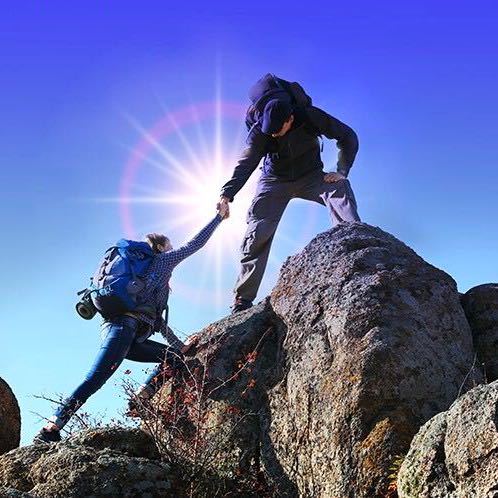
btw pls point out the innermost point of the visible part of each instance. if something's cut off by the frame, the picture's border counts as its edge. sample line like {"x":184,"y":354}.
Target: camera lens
{"x":85,"y":311}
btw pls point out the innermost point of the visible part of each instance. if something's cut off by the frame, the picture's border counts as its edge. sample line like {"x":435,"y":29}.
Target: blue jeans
{"x":118,"y":342}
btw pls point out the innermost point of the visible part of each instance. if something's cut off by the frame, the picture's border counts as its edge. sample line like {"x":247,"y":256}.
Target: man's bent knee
{"x":257,"y":235}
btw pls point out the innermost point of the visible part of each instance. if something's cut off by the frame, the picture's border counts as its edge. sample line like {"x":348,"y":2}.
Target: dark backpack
{"x":119,"y":280}
{"x":271,"y":87}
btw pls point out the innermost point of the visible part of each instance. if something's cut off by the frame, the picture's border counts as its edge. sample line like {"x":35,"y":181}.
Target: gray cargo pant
{"x":271,"y":198}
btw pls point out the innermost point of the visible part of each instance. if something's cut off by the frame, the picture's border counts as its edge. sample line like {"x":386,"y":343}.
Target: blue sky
{"x":416,"y":80}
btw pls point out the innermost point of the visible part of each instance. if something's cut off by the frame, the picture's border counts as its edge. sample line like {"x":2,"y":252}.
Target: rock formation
{"x":455,"y":454}
{"x":322,"y":386}
{"x":481,"y":307}
{"x":360,"y":343}
{"x":112,"y":462}
{"x":10,"y":419}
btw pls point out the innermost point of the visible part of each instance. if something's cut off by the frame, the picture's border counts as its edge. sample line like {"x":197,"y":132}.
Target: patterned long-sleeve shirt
{"x":157,"y":281}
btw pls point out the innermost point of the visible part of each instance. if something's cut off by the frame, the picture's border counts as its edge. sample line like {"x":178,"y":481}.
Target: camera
{"x":85,"y":307}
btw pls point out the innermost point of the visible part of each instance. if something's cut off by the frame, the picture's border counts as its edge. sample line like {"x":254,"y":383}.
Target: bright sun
{"x":192,"y":153}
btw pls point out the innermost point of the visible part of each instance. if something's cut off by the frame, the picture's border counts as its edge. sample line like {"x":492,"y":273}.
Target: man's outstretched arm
{"x":347,"y":140}
{"x":248,"y":162}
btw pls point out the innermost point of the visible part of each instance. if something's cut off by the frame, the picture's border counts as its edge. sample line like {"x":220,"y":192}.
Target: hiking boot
{"x":241,"y":304}
{"x":46,"y":436}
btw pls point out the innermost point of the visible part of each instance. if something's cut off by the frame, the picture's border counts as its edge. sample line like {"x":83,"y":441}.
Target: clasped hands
{"x":223,"y":208}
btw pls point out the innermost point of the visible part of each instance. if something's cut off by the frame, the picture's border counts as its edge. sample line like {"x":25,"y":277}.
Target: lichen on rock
{"x":103,"y":462}
{"x":455,"y":454}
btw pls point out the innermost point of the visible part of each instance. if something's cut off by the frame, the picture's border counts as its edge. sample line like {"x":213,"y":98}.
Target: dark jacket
{"x":297,"y":152}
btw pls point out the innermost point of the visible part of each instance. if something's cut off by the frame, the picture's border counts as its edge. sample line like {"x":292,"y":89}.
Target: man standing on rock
{"x":284,"y":128}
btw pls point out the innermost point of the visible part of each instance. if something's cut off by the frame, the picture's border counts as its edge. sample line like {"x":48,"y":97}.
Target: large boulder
{"x":10,"y":419}
{"x":455,"y":454}
{"x":481,"y":308}
{"x":104,"y":462}
{"x":360,"y":343}
{"x":377,"y":343}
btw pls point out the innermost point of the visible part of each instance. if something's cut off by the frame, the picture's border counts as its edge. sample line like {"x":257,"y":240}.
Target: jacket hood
{"x":268,"y":88}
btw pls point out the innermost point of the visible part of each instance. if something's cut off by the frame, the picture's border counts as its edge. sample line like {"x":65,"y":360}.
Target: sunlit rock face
{"x":376,"y":344}
{"x":455,"y":454}
{"x":481,"y":308}
{"x":10,"y":419}
{"x":359,"y":344}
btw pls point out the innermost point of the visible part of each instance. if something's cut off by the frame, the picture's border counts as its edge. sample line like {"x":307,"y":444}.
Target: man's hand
{"x":333,"y":177}
{"x":223,"y":207}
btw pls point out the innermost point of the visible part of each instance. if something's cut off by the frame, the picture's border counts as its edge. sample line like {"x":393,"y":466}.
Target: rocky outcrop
{"x":10,"y":419}
{"x":360,"y":343}
{"x":455,"y":454}
{"x":376,"y":344}
{"x":481,"y":308}
{"x":113,"y":462}
{"x":105,"y":462}
{"x":239,"y":360}
{"x":322,"y":386}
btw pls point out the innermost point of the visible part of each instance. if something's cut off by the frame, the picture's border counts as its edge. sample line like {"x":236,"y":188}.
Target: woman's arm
{"x":178,"y":255}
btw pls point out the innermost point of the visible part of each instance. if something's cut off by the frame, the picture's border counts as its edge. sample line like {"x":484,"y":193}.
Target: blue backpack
{"x":119,"y":280}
